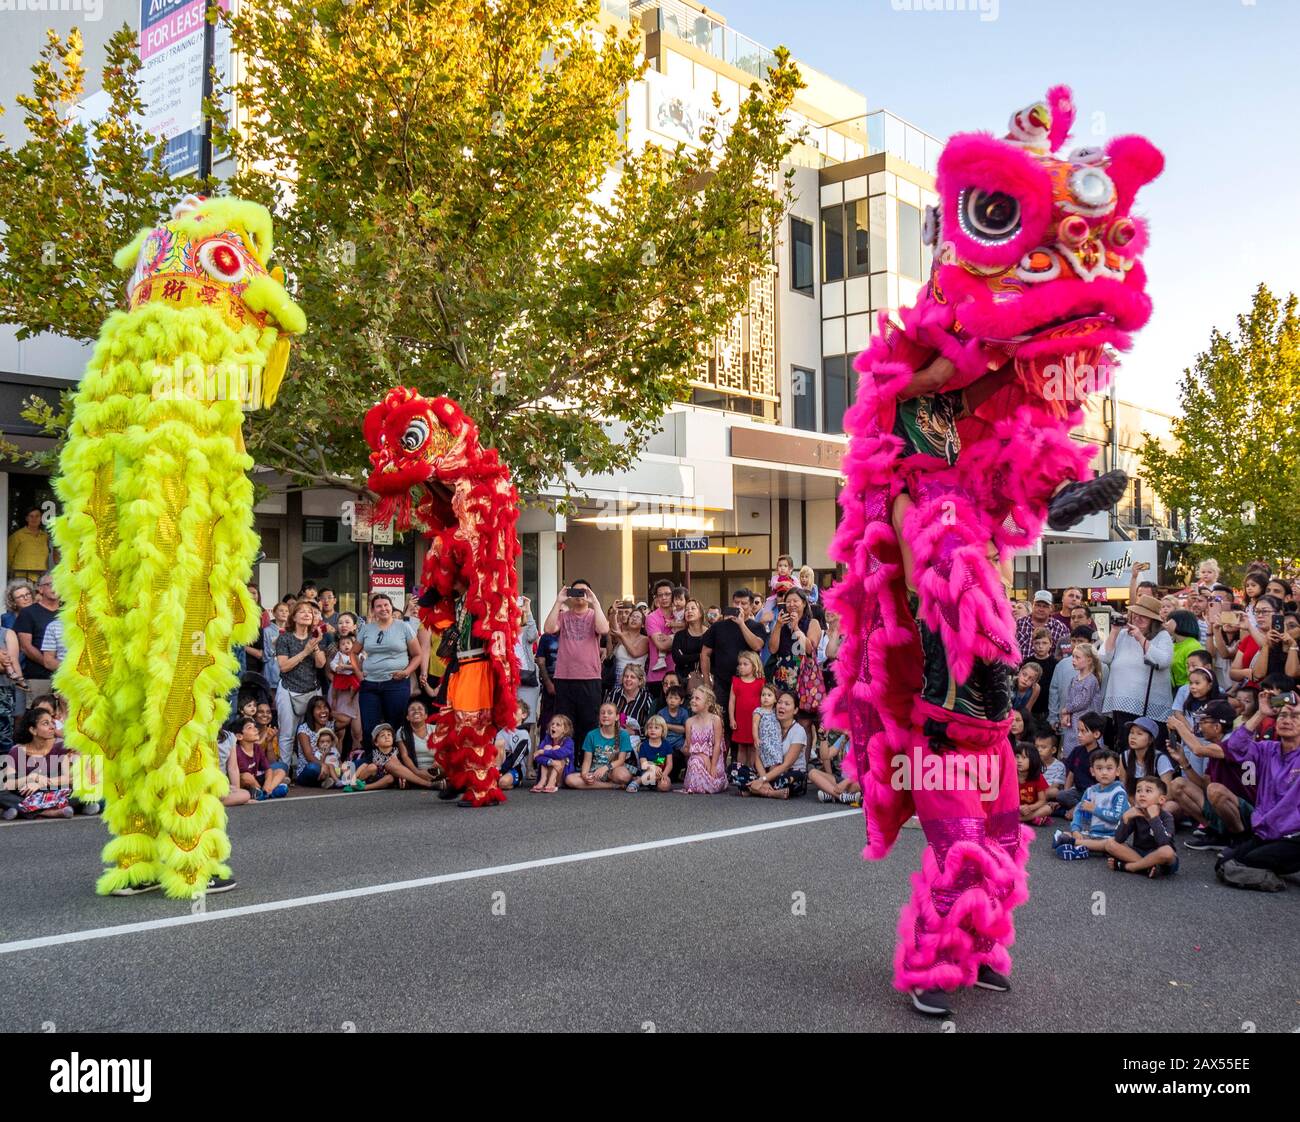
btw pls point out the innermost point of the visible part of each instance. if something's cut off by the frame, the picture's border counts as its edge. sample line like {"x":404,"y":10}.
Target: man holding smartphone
{"x":579,"y":621}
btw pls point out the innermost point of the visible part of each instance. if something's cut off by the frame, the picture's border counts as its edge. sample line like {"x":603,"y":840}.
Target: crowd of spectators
{"x":1177,"y":712}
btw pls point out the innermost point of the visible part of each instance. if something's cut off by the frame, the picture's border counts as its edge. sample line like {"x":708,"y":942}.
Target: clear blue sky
{"x":1215,"y":84}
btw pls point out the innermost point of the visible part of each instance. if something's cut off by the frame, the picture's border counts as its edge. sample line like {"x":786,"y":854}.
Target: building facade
{"x":751,"y":460}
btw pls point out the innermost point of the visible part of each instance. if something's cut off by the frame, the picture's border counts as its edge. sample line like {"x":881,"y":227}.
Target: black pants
{"x":579,"y":700}
{"x":1281,"y":855}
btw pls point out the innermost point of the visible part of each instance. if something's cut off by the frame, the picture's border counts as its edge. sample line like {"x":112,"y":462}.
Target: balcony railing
{"x":717,"y":39}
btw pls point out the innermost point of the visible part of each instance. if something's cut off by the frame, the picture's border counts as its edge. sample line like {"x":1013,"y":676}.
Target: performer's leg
{"x":972,"y":876}
{"x":131,"y":851}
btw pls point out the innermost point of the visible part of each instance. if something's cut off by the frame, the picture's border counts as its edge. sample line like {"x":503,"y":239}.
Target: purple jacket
{"x":1277,"y":783}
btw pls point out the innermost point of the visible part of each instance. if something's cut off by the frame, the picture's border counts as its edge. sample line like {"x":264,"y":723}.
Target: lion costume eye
{"x":417,"y":432}
{"x":989,"y":216}
{"x":222,"y":261}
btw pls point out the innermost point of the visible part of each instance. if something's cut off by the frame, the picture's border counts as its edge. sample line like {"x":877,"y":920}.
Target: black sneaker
{"x":449,"y":792}
{"x":1076,"y":501}
{"x":221,"y":884}
{"x":136,"y":889}
{"x":933,"y":1003}
{"x":1205,"y":839}
{"x":990,"y":979}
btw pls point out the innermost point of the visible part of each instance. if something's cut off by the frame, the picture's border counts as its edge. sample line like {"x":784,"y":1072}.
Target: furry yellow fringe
{"x":157,"y":547}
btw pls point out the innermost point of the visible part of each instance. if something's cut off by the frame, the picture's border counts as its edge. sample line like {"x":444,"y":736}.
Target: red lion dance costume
{"x":1036,"y":272}
{"x":467,"y":508}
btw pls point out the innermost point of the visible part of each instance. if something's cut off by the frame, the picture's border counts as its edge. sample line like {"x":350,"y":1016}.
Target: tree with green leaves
{"x":1236,"y":463}
{"x":70,"y":196}
{"x":458,"y":210}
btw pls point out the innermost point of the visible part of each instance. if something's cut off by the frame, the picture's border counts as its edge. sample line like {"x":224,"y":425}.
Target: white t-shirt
{"x":420,"y":750}
{"x":796,"y":735}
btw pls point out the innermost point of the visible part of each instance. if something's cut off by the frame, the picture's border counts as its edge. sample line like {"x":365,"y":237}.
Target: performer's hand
{"x":929,"y":379}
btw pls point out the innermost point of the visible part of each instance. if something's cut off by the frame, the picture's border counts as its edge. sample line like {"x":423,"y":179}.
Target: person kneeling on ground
{"x":1151,"y":829}
{"x":1274,"y":851}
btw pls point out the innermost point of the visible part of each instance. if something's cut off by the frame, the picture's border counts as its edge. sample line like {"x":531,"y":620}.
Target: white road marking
{"x":403,"y":885}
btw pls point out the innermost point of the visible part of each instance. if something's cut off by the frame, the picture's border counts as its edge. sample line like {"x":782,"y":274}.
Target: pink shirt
{"x":657,"y":624}
{"x":578,"y":656}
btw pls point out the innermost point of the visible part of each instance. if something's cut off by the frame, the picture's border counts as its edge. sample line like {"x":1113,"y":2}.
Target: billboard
{"x":171,"y":76}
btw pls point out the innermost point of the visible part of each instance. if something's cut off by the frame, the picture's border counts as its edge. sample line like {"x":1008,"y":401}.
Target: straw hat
{"x":1147,"y":606}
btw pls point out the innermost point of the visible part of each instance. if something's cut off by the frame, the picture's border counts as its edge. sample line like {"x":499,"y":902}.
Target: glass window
{"x":855,"y":221}
{"x":909,"y":241}
{"x":803,"y":392}
{"x":876,"y":237}
{"x":835,"y":391}
{"x":801,"y":256}
{"x":832,"y":243}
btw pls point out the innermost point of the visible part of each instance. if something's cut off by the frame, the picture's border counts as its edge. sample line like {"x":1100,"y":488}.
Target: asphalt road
{"x":768,"y":929}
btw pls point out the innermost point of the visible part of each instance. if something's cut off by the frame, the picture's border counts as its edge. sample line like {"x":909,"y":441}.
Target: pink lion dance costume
{"x":1035,"y":274}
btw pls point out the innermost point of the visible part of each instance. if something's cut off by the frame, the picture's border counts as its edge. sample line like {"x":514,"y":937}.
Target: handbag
{"x":810,"y":686}
{"x":528,"y":679}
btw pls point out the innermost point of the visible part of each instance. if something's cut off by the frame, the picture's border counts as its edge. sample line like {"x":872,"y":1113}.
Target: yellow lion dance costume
{"x":156,"y":536}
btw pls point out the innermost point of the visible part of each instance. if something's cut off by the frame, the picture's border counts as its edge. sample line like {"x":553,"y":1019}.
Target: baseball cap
{"x":1220,"y":711}
{"x":1145,"y":723}
{"x":1043,"y":597}
{"x":380,"y":728}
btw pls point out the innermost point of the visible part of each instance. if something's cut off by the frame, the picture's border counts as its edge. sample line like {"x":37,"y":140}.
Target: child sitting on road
{"x":655,"y":757}
{"x":675,"y":715}
{"x":554,"y":756}
{"x":605,"y":753}
{"x":1151,"y":830}
{"x":327,"y":752}
{"x":262,"y":778}
{"x":1033,"y":787}
{"x":1098,"y":813}
{"x":512,"y":750}
{"x":1088,"y":731}
{"x":828,"y":776}
{"x":237,"y":794}
{"x":375,"y":773}
{"x":1047,"y":745}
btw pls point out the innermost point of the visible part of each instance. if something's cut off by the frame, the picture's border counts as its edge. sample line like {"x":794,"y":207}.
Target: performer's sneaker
{"x":221,"y":884}
{"x":1076,"y":501}
{"x":449,"y":792}
{"x":933,"y":1003}
{"x":990,"y":979}
{"x":136,"y":889}
{"x":1205,"y":839}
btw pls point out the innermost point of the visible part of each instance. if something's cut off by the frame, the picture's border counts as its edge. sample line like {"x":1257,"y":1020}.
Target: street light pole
{"x":209,"y":62}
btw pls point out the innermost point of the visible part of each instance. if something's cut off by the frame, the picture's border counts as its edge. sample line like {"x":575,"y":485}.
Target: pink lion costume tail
{"x":1036,"y":274}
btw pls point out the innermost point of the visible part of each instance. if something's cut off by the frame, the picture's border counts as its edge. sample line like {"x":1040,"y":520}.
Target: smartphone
{"x":1280,"y":700}
{"x":731,"y":613}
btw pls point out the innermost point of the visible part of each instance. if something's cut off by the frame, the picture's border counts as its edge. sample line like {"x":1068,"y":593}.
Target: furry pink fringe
{"x":946,"y":951}
{"x":997,"y":491}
